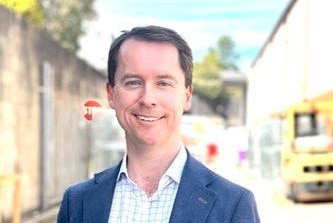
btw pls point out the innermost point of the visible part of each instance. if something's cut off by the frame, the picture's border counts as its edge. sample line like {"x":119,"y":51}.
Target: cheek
{"x":123,"y":99}
{"x":168,"y":99}
{"x":175,"y":101}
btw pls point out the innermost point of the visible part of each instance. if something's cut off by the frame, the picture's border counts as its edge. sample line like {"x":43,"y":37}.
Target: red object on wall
{"x":212,"y":151}
{"x":89,"y":106}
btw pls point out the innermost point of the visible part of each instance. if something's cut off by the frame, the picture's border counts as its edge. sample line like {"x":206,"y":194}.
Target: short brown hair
{"x":153,"y":34}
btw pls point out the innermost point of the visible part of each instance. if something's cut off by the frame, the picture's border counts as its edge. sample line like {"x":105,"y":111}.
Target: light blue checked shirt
{"x":130,"y":204}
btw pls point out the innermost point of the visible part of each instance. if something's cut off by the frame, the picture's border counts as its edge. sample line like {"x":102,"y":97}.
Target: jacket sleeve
{"x":246,"y":210}
{"x":63,"y":214}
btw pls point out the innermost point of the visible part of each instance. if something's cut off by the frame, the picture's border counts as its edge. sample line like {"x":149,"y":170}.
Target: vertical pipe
{"x":45,"y":131}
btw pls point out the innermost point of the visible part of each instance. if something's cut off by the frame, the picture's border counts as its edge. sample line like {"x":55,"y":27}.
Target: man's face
{"x":149,"y":95}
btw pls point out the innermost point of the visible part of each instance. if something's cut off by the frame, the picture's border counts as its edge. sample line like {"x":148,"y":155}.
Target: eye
{"x":164,"y":84}
{"x":133,"y":83}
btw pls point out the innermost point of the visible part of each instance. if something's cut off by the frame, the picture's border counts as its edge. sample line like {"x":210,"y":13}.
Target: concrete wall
{"x":24,"y":52}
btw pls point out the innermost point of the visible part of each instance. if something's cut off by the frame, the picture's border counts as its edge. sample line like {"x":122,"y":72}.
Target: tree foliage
{"x":207,"y":80}
{"x":206,"y":76}
{"x":63,"y":19}
{"x":227,"y":54}
{"x":30,"y":9}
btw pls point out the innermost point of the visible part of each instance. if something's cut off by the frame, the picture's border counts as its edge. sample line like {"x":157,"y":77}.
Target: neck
{"x":146,"y":166}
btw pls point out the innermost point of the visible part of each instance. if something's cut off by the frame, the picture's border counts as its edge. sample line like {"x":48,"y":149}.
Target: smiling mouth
{"x":147,"y":118}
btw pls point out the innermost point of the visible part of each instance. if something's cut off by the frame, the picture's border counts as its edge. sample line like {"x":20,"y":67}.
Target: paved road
{"x":273,"y":207}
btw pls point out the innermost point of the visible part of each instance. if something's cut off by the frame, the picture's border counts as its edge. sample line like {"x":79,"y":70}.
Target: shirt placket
{"x":145,"y":206}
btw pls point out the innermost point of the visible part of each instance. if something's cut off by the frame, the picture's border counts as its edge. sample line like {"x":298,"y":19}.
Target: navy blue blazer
{"x":203,"y":197}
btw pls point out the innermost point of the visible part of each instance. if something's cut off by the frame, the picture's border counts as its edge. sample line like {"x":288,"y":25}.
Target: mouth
{"x":147,"y":118}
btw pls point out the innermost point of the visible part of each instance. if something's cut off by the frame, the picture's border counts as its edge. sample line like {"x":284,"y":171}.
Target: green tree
{"x":227,"y":54}
{"x":207,"y":74}
{"x":206,"y":80}
{"x":30,"y":9}
{"x":64,"y":20}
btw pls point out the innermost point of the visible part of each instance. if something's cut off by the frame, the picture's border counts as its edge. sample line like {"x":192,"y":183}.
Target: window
{"x":305,"y":124}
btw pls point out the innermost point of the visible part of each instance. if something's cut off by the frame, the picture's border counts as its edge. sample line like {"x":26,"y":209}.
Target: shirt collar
{"x":176,"y":168}
{"x":174,"y":171}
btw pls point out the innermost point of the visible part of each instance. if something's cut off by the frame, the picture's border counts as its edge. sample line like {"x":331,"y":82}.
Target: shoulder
{"x":91,"y":192}
{"x":213,"y":181}
{"x":231,"y":200}
{"x":236,"y":201}
{"x":106,"y":176}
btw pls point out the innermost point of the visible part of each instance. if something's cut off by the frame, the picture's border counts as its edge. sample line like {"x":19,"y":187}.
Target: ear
{"x":188,"y":99}
{"x":110,"y":93}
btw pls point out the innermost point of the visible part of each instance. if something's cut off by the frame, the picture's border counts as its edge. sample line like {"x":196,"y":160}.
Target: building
{"x":235,"y":84}
{"x":293,"y":66}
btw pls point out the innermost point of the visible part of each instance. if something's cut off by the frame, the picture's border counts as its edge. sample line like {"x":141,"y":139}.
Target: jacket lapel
{"x":97,"y":202}
{"x":194,"y":200}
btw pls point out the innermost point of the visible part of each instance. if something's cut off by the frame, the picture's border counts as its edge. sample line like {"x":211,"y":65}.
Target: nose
{"x":148,"y":96}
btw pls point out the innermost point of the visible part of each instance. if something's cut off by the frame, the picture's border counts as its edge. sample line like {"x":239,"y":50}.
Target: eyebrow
{"x":126,"y":76}
{"x":167,"y":76}
{"x":161,"y":76}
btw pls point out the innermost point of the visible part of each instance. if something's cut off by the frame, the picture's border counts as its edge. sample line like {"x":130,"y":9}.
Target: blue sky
{"x":200,"y":22}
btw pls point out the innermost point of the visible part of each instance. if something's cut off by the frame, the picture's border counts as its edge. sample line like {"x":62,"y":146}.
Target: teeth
{"x":149,"y":119}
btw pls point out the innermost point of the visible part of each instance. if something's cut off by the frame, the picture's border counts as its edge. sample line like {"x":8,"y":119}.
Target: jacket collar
{"x":97,"y":202}
{"x":193,"y":200}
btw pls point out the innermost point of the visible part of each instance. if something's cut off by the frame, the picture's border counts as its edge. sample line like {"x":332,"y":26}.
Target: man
{"x":150,"y":86}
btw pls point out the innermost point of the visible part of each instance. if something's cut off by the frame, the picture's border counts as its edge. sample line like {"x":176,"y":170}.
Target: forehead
{"x":143,"y":57}
{"x":149,"y":61}
{"x":143,"y":48}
